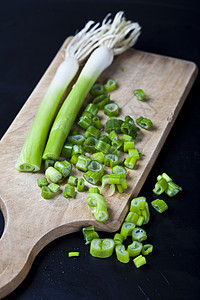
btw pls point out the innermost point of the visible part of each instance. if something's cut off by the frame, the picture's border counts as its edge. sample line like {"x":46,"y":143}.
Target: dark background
{"x":31,"y":33}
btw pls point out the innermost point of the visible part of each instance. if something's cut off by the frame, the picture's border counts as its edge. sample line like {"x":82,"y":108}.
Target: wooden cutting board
{"x":31,"y":222}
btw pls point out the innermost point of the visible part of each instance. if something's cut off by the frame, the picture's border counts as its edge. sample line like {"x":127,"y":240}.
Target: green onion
{"x":97,"y":123}
{"x":92,"y":109}
{"x":54,"y":188}
{"x":89,"y":234}
{"x":93,"y":176}
{"x":143,"y":122}
{"x":139,"y":234}
{"x":77,"y":150}
{"x":73,"y":180}
{"x":69,"y":191}
{"x":137,"y":204}
{"x":66,"y":150}
{"x":111,"y":160}
{"x":120,"y":188}
{"x":160,"y":186}
{"x":95,"y":166}
{"x":111,"y":109}
{"x":97,"y":205}
{"x":76,"y":139}
{"x":110,"y":85}
{"x":113,"y":136}
{"x":80,"y":185}
{"x":54,"y":175}
{"x":98,"y":156}
{"x":159,"y":205}
{"x":83,"y":162}
{"x":147,"y":248}
{"x":126,"y":138}
{"x":73,"y":254}
{"x":97,"y":89}
{"x":122,"y":254}
{"x":102,"y":248}
{"x":128,"y":145}
{"x":105,"y":138}
{"x":106,"y":188}
{"x":117,"y":144}
{"x":42,"y":181}
{"x":46,"y":193}
{"x":133,"y":153}
{"x":73,"y":132}
{"x":119,"y":170}
{"x":89,"y":144}
{"x":113,"y":123}
{"x":139,"y":261}
{"x":172,"y":189}
{"x":64,"y":167}
{"x":85,"y":122}
{"x":92,"y":132}
{"x":126,"y":229}
{"x":74,"y":159}
{"x":134,"y":249}
{"x":94,"y":190}
{"x":130,"y":162}
{"x":48,"y":163}
{"x":102,"y":147}
{"x":139,"y":94}
{"x":118,"y":238}
{"x":101,"y":100}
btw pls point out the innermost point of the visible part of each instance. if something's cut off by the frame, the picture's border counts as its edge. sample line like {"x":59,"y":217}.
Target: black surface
{"x":31,"y":33}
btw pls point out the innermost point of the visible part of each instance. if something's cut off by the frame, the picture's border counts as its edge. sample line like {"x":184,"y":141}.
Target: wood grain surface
{"x":31,"y":222}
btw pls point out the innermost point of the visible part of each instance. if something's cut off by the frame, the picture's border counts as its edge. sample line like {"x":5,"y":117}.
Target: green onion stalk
{"x":79,"y":48}
{"x":120,"y":35}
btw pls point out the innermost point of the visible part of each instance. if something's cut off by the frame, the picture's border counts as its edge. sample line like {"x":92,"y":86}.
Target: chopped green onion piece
{"x":69,"y":191}
{"x":97,"y":123}
{"x":113,"y":136}
{"x":97,"y":205}
{"x":95,"y":166}
{"x":160,"y":186}
{"x":101,"y":100}
{"x":84,"y":122}
{"x":113,"y":123}
{"x":73,"y":180}
{"x":159,"y":205}
{"x":102,"y":248}
{"x":143,"y":122}
{"x":111,"y":109}
{"x":76,"y":139}
{"x":117,"y":144}
{"x":80,"y":185}
{"x":134,"y":249}
{"x":105,"y":139}
{"x":93,"y":176}
{"x":133,"y":153}
{"x":92,"y":131}
{"x":120,"y":188}
{"x":46,"y":193}
{"x":122,"y":254}
{"x":64,"y":167}
{"x":89,"y":234}
{"x":139,"y":94}
{"x":94,"y":190}
{"x":67,"y":150}
{"x":77,"y":150}
{"x":49,"y":163}
{"x":98,"y":156}
{"x":97,"y":89}
{"x":139,"y":261}
{"x":118,"y":238}
{"x":172,"y":189}
{"x":114,"y":179}
{"x":126,"y":128}
{"x":129,"y":217}
{"x":140,"y":221}
{"x":166,"y":177}
{"x":111,"y":160}
{"x":42,"y":181}
{"x":147,"y":248}
{"x":74,"y":158}
{"x":73,"y":254}
{"x":87,"y":114}
{"x":106,"y":188}
{"x":54,"y":175}
{"x":130,"y":162}
{"x":54,"y":188}
{"x":139,"y":234}
{"x":128,"y":145}
{"x":137,"y":204}
{"x":126,"y":138}
{"x":89,"y":145}
{"x":110,"y":85}
{"x":102,"y":146}
{"x":145,"y":213}
{"x":126,"y":229}
{"x":120,"y":171}
{"x":83,"y":162}
{"x":113,"y":150}
{"x":92,"y":109}
{"x":73,"y":132}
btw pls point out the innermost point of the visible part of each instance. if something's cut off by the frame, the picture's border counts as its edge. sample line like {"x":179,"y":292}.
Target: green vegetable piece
{"x":147,"y":248}
{"x":67,"y":150}
{"x":64,"y":167}
{"x":113,"y":135}
{"x":69,"y":191}
{"x":118,"y":238}
{"x":111,"y":160}
{"x":128,"y":145}
{"x":105,"y":139}
{"x":42,"y":181}
{"x":49,"y":163}
{"x":159,"y":205}
{"x":90,"y":144}
{"x":94,"y":190}
{"x":80,"y":185}
{"x":97,"y":89}
{"x":111,"y":109}
{"x":122,"y":254}
{"x":54,"y":188}
{"x":97,"y":205}
{"x":101,"y":100}
{"x":113,"y":123}
{"x":139,"y":261}
{"x":46,"y":193}
{"x":126,"y":229}
{"x":139,"y":94}
{"x":93,"y":176}
{"x":102,"y":248}
{"x":92,"y":132}
{"x":139,"y":234}
{"x":99,"y":156}
{"x":102,"y":146}
{"x":120,"y":170}
{"x":106,"y":188}
{"x":160,"y":186}
{"x":133,"y":153}
{"x":137,"y":204}
{"x":73,"y":180}
{"x":76,"y":139}
{"x":53,"y":174}
{"x":77,"y":150}
{"x":97,"y":123}
{"x":73,"y":132}
{"x":73,"y":254}
{"x":83,"y":162}
{"x":134,"y":249}
{"x":126,"y":138}
{"x":89,"y":234}
{"x":130,"y":162}
{"x":144,"y":122}
{"x":95,"y":166}
{"x":92,"y":109}
{"x":84,"y":121}
{"x":110,"y":85}
{"x":172,"y":189}
{"x":74,"y":159}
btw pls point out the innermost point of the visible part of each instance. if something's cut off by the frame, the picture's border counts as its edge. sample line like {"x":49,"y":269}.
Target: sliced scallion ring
{"x":111,"y":109}
{"x":97,"y":89}
{"x":110,"y":85}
